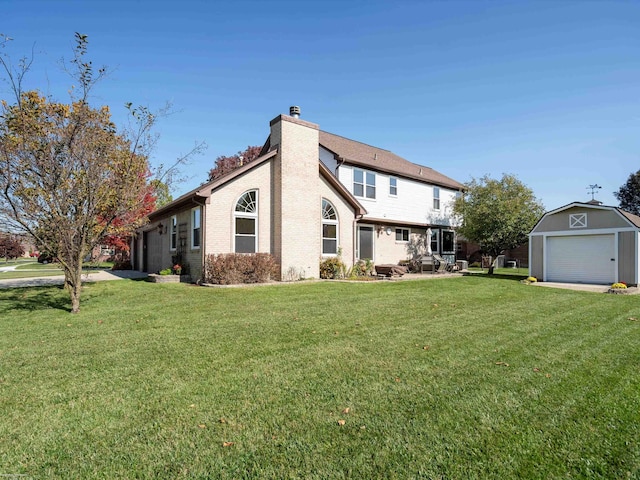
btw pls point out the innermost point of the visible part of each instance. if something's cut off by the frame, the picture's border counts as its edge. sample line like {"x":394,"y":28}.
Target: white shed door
{"x":581,"y":259}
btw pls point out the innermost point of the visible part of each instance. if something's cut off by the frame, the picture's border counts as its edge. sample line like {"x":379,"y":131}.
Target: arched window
{"x":329,"y":228}
{"x":246,"y":223}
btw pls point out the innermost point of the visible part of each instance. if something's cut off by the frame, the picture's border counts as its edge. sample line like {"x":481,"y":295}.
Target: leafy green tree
{"x":629,"y":194}
{"x":497,"y":214}
{"x":67,"y":177}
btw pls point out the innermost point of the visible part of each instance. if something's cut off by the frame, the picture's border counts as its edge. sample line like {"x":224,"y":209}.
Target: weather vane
{"x":593,"y":189}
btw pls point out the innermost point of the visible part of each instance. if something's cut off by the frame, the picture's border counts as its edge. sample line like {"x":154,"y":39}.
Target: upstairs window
{"x":246,"y":222}
{"x":364,"y":183}
{"x":195,"y":227}
{"x":174,"y":232}
{"x":436,"y":198}
{"x":329,"y":228}
{"x":393,"y":186}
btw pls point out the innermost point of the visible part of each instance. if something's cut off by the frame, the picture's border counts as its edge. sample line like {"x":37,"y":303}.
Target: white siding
{"x":413,"y":204}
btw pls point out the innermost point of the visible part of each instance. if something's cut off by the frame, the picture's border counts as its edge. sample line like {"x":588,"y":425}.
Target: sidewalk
{"x":97,"y":276}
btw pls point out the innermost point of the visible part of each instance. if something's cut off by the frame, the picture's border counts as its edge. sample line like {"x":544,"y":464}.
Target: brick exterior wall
{"x":220,"y":224}
{"x":297,"y":201}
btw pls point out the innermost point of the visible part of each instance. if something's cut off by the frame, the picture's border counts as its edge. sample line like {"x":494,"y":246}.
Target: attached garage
{"x":585,"y":243}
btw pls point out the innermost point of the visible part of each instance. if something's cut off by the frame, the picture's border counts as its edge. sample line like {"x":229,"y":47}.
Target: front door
{"x":365,"y":243}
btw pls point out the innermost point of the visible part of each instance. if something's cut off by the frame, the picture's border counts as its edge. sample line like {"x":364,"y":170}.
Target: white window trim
{"x":250,"y":215}
{"x":391,"y":186}
{"x":578,"y":220}
{"x":365,"y":184}
{"x":325,"y":221}
{"x":408,"y":234}
{"x":437,"y":234}
{"x":173,"y":238}
{"x":193,"y":227}
{"x":436,"y":189}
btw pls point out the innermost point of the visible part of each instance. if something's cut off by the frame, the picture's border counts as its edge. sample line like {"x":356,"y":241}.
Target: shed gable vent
{"x":578,"y":220}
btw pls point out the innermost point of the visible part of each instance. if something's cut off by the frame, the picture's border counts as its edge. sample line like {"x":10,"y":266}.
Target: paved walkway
{"x":97,"y":276}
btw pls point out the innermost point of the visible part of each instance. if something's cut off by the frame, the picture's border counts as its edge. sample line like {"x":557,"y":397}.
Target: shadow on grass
{"x":34,"y":298}
{"x":496,"y":276}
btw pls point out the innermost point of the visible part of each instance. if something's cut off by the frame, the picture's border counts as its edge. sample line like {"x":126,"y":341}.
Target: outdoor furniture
{"x":443,"y":265}
{"x":389,"y":270}
{"x":427,"y":264}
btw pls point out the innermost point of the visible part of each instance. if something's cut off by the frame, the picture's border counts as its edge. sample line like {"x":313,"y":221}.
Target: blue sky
{"x":546,"y":90}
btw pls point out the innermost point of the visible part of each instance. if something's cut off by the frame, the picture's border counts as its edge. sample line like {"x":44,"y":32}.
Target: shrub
{"x":332,"y":267}
{"x":621,"y":285}
{"x":361,"y":269}
{"x":122,"y":266}
{"x":166,"y":271}
{"x":234,"y":268}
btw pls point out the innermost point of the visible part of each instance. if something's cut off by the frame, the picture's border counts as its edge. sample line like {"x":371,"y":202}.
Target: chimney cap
{"x":294,"y":111}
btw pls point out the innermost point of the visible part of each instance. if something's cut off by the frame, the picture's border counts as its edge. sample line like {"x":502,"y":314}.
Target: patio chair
{"x":443,"y":265}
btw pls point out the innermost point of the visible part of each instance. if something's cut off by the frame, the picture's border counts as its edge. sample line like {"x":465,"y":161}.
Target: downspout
{"x":355,"y":238}
{"x":338,"y":165}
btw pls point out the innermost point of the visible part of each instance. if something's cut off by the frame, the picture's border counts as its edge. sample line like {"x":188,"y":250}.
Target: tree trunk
{"x":73,"y":283}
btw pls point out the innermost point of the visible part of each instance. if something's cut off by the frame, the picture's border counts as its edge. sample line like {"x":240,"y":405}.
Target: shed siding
{"x":628,"y":255}
{"x":536,"y":253}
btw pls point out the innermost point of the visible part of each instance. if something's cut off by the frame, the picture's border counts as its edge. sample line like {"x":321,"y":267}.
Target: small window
{"x":364,"y":183}
{"x":436,"y":198}
{"x":329,"y":228}
{"x":246,"y":223}
{"x":578,"y":220}
{"x":393,"y":186}
{"x":402,"y":234}
{"x":195,"y":227}
{"x":174,"y":232}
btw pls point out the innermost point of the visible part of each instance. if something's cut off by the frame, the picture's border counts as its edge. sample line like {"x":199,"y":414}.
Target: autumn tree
{"x":224,"y":165}
{"x":497,"y":214}
{"x":67,"y":177}
{"x":629,"y":194}
{"x":11,"y":246}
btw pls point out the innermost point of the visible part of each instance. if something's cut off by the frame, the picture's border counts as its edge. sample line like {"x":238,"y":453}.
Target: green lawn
{"x":459,"y":378}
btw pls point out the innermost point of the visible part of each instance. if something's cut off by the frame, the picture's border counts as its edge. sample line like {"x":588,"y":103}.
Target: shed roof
{"x":633,"y":220}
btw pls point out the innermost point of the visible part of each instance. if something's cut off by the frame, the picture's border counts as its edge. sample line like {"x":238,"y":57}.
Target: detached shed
{"x":586,"y":243}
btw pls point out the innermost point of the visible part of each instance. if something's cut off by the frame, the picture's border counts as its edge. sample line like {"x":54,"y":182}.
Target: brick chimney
{"x":296,"y":196}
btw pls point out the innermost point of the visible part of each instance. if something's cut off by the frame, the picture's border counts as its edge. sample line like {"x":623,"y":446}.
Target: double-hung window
{"x":436,"y":198}
{"x":246,"y":223}
{"x":196,"y":223}
{"x":364,"y":183}
{"x":393,"y":186}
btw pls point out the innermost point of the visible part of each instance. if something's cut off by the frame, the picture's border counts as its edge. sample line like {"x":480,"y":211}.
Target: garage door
{"x":581,"y":259}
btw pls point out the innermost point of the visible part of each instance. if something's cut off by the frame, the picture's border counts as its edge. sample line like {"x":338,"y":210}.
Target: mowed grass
{"x":472,"y":377}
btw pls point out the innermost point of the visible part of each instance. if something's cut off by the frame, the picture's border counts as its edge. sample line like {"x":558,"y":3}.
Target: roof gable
{"x":628,"y":218}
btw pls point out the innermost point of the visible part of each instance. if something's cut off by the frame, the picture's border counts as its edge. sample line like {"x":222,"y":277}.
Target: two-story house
{"x":310,"y":194}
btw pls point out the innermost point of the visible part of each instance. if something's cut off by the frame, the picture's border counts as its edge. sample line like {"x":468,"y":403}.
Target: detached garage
{"x":586,"y":243}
